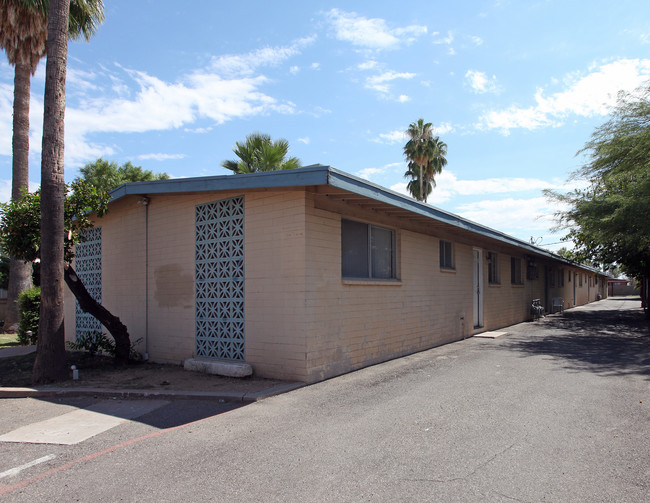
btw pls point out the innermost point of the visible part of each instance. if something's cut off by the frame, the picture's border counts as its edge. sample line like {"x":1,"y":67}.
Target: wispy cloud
{"x":395,"y":136}
{"x":371,"y":33}
{"x":480,"y":83}
{"x":370,"y":173}
{"x":304,"y":140}
{"x":382,"y":82}
{"x":246,"y":64}
{"x":122,"y":100}
{"x":584,"y":95}
{"x":400,"y":136}
{"x":161,"y":157}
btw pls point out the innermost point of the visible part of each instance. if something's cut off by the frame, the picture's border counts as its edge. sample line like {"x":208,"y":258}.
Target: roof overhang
{"x":320,"y":175}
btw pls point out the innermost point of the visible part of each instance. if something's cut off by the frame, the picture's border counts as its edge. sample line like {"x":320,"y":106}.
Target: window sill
{"x":494,"y":285}
{"x":517,"y":285}
{"x":448,"y":270}
{"x":371,"y":282}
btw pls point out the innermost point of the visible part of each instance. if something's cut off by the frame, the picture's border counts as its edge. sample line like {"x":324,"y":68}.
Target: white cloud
{"x":371,"y":33}
{"x":120,"y":100}
{"x":442,"y":40}
{"x":367,"y":65}
{"x":443,"y":128}
{"x":395,"y":136}
{"x":245,"y":64}
{"x":520,"y":216}
{"x":161,"y":157}
{"x":304,"y":140}
{"x":589,"y":95}
{"x":381,"y":83}
{"x":403,"y":98}
{"x":369,"y":173}
{"x":476,"y":40}
{"x":481,"y":83}
{"x":293,"y":70}
{"x":400,"y":136}
{"x":512,"y":215}
{"x":315,"y":66}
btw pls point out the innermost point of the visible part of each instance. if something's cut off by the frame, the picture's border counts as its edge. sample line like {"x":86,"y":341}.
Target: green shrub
{"x":98,"y":343}
{"x":29,"y":305}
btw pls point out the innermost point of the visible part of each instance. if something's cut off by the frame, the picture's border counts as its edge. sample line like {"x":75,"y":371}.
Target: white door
{"x":478,"y":288}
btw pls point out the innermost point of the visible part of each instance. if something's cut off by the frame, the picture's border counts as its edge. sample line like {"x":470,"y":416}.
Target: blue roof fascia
{"x":319,"y":174}
{"x":310,"y":175}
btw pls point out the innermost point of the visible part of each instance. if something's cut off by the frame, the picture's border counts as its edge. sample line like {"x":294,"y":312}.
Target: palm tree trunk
{"x":421,"y":182}
{"x":20,"y":273}
{"x":50,"y":363}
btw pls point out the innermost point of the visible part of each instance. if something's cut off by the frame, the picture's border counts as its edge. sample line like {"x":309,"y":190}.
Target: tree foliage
{"x":20,"y":235}
{"x":608,"y":221}
{"x":20,"y":229}
{"x":260,"y":153}
{"x":425,"y":154}
{"x":108,"y":175}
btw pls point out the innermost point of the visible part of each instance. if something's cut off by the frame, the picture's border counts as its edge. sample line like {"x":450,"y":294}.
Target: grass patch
{"x":8,"y":340}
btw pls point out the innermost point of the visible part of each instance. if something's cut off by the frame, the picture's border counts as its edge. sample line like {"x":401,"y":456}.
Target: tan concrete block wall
{"x":355,"y":324}
{"x":274,"y":287}
{"x":505,"y":303}
{"x":275,"y":284}
{"x":123,"y":280}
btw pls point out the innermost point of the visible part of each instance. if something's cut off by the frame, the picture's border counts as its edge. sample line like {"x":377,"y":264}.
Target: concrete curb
{"x":143,"y":393}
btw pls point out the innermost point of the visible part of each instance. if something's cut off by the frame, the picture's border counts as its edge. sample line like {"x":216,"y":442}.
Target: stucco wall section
{"x":275,"y":284}
{"x":123,"y":273}
{"x":354,"y":323}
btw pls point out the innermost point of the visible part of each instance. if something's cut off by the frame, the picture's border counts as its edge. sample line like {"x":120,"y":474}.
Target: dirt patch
{"x":99,"y":372}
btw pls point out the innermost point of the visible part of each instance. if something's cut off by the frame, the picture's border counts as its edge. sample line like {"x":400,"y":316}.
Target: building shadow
{"x":604,"y":341}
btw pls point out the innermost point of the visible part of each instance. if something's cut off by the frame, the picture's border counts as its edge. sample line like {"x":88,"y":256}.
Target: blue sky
{"x":515,"y":88}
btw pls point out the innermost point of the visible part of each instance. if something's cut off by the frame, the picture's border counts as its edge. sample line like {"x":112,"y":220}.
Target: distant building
{"x":621,"y":287}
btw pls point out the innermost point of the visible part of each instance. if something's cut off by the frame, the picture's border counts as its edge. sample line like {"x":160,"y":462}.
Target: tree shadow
{"x":609,"y":342}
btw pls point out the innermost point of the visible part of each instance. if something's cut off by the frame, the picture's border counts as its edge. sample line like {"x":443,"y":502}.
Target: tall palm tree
{"x":23,"y":35}
{"x":50,"y":354}
{"x":260,"y":153}
{"x":425,"y":154}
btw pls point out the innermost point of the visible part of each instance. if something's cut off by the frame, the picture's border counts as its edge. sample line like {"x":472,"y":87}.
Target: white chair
{"x":558,"y":302}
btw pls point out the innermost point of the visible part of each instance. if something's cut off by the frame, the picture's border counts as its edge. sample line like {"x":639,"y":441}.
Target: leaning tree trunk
{"x":112,"y":323}
{"x":20,"y":273}
{"x":50,"y":363}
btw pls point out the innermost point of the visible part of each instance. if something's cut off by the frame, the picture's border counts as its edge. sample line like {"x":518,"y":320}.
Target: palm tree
{"x":260,"y":153}
{"x":425,"y":154}
{"x":50,"y":354}
{"x":23,"y":35}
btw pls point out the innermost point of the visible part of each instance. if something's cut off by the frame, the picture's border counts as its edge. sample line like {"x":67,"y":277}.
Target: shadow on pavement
{"x":164,"y":413}
{"x":604,"y":341}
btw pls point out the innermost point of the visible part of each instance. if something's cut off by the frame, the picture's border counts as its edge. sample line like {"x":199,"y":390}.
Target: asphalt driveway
{"x":557,"y":410}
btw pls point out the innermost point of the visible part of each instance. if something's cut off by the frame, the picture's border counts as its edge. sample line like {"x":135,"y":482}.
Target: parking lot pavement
{"x":555,"y":410}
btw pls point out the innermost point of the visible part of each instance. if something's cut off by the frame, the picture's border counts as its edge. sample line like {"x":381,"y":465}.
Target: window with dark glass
{"x":367,"y":251}
{"x":446,"y":255}
{"x":493,"y":268}
{"x":515,"y":271}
